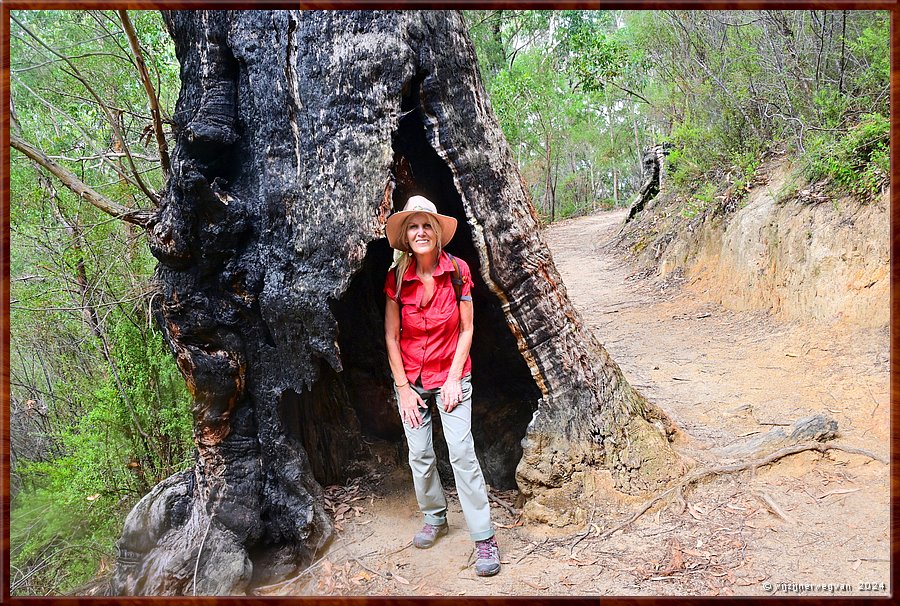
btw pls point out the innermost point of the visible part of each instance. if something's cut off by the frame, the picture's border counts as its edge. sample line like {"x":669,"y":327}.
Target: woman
{"x":429,"y":333}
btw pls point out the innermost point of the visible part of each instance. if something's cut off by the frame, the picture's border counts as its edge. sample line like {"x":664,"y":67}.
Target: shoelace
{"x":485,"y":549}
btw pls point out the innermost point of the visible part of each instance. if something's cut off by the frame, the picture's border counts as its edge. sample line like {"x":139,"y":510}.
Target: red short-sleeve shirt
{"x":428,"y":335}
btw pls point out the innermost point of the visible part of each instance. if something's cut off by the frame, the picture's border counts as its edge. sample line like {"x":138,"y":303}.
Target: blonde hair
{"x":402,"y":264}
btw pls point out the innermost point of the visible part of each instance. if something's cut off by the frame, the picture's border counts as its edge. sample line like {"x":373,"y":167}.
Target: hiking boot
{"x":487,"y":553}
{"x":426,"y":537}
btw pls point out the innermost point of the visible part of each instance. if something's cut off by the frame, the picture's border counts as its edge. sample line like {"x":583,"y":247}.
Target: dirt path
{"x":722,"y":376}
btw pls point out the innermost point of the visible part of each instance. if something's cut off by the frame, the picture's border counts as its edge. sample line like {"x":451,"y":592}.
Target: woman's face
{"x":420,"y":234}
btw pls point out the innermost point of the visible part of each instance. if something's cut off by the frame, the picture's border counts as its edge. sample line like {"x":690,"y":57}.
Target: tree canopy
{"x":580,"y":93}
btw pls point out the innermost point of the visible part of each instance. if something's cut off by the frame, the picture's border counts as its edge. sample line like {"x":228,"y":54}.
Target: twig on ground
{"x":528,"y":553}
{"x":355,"y":559}
{"x":408,"y":544}
{"x":581,"y":536}
{"x":264,"y":588}
{"x":296,"y":577}
{"x":771,"y":505}
{"x":877,"y":403}
{"x":859,"y":451}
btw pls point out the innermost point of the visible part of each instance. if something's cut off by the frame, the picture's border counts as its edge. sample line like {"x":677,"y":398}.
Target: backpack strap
{"x":455,"y":279}
{"x":398,"y":279}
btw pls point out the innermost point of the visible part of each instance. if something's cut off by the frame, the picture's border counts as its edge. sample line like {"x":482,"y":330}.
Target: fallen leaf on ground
{"x":399,"y":579}
{"x":535,"y":585}
{"x":838,"y":491}
{"x":676,"y":561}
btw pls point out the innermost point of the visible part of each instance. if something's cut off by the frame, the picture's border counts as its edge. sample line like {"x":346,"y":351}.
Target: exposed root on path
{"x":705,"y":472}
{"x":512,"y":510}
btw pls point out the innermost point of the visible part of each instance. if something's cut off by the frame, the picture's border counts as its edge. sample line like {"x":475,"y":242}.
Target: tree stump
{"x":652,"y":168}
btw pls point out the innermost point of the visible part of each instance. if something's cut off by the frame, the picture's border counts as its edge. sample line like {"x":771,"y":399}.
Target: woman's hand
{"x":410,"y":402}
{"x":451,"y":394}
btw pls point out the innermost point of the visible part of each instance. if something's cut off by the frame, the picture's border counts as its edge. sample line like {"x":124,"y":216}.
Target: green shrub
{"x":703,"y":198}
{"x":68,"y":514}
{"x":858,"y":162}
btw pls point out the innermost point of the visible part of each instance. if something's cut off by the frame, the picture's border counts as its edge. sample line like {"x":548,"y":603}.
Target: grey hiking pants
{"x":470,"y":485}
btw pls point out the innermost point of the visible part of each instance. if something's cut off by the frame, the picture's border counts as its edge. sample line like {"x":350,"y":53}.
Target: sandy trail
{"x":723,"y":376}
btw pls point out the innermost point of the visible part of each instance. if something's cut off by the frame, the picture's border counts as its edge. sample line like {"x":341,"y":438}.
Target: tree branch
{"x":27,"y":68}
{"x":709,"y":72}
{"x":87,"y":139}
{"x":624,"y":89}
{"x":112,"y":121}
{"x":151,"y":94}
{"x":139,"y":216}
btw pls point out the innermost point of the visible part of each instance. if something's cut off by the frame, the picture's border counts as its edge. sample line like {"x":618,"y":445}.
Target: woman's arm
{"x":451,"y":392}
{"x":409,"y":399}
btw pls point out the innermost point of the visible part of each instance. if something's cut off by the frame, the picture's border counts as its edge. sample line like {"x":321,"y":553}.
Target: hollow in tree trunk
{"x":298,"y":133}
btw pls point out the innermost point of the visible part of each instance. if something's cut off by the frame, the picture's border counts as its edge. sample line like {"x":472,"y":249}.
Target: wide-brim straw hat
{"x":418,"y":204}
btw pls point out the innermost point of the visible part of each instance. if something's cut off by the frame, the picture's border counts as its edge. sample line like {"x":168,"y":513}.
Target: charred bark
{"x":651,"y":174}
{"x":298,"y":133}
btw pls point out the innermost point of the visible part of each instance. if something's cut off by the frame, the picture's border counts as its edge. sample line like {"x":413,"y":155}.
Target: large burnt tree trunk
{"x":298,"y":133}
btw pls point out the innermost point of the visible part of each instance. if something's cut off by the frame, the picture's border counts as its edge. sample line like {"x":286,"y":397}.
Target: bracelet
{"x":399,"y":386}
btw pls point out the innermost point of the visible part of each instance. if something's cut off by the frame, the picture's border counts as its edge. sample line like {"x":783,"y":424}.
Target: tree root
{"x":700,"y":474}
{"x":512,"y":510}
